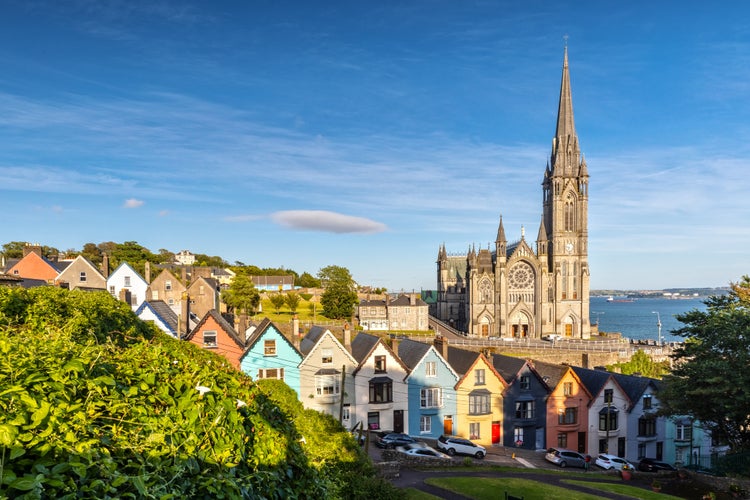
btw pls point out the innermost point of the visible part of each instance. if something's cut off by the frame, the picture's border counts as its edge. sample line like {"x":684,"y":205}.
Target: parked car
{"x":457,"y":445}
{"x":565,"y":458}
{"x":394,"y":439}
{"x":653,"y":465}
{"x":552,"y":337}
{"x":422,"y":450}
{"x":607,"y":461}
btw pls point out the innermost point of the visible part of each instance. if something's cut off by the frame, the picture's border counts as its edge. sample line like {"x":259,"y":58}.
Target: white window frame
{"x":126,"y":281}
{"x":479,"y":376}
{"x":269,"y":347}
{"x":326,"y":355}
{"x":431,"y":397}
{"x":425,"y":424}
{"x":475,"y":430}
{"x":431,"y":369}
{"x":278,"y":373}
{"x":82,"y":277}
{"x":207,"y":335}
{"x":525,"y":382}
{"x":327,"y":385}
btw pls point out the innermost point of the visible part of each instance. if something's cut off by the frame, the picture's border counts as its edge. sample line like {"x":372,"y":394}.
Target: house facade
{"x":430,"y":389}
{"x":405,"y":312}
{"x":524,"y":403}
{"x":125,"y":284}
{"x":33,"y":266}
{"x":214,"y":333}
{"x":81,"y":273}
{"x":327,"y":381}
{"x":167,"y":288}
{"x":566,"y":408}
{"x":204,"y":295}
{"x":269,"y":354}
{"x":381,"y":391}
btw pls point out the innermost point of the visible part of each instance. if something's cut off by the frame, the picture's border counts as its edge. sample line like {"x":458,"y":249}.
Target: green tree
{"x":13,"y":249}
{"x":242,"y":296}
{"x":92,"y":253}
{"x":340,"y":295}
{"x":292,"y":300}
{"x":277,"y":300}
{"x":644,"y":364}
{"x":307,"y":280}
{"x":710,"y":379}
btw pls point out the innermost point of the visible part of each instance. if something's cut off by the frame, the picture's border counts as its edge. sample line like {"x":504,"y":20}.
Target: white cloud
{"x":133,"y":203}
{"x":329,"y":222}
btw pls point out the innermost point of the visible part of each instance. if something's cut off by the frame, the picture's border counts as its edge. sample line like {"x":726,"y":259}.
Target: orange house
{"x":34,"y":266}
{"x":215,"y":333}
{"x":567,"y":407}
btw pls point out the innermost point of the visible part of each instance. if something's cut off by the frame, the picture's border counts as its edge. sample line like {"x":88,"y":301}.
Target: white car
{"x":607,"y":461}
{"x":552,"y":337}
{"x":422,"y":450}
{"x":457,"y":445}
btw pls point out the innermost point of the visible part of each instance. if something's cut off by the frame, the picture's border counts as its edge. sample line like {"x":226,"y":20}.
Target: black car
{"x":395,"y":439}
{"x":653,"y":465}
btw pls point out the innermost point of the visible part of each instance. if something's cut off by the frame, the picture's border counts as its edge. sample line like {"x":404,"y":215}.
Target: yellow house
{"x":479,"y":400}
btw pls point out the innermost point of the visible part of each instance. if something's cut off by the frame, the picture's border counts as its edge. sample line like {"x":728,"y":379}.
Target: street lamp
{"x":597,"y":317}
{"x":658,"y":323}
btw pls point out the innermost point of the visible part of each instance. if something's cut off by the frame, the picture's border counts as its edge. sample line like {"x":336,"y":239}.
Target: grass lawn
{"x":482,"y":488}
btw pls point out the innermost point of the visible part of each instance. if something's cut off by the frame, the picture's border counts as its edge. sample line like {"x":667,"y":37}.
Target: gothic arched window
{"x":569,"y":214}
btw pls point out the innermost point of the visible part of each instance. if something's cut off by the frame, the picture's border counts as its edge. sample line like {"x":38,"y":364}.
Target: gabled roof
{"x":262,"y":328}
{"x":319,"y":338}
{"x":162,"y":311}
{"x":312,"y":337}
{"x":405,"y":301}
{"x":213,"y":283}
{"x":412,"y":353}
{"x":595,"y":380}
{"x":372,"y":303}
{"x":633,"y":385}
{"x":551,"y":373}
{"x":364,"y":344}
{"x":461,"y":360}
{"x":224,"y":324}
{"x":508,"y":366}
{"x":87,"y":262}
{"x":128,"y":266}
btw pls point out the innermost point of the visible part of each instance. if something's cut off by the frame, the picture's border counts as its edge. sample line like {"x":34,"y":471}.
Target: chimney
{"x":413,"y":300}
{"x":185,"y":315}
{"x":184,"y":276}
{"x":105,"y":265}
{"x":295,"y":330}
{"x":394,"y":345}
{"x":125,"y":295}
{"x":347,"y":337}
{"x":147,"y":272}
{"x":243,"y":325}
{"x":32,"y":248}
{"x":441,"y":344}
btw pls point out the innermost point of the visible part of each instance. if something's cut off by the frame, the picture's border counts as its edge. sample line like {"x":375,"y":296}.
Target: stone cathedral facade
{"x":517,"y":290}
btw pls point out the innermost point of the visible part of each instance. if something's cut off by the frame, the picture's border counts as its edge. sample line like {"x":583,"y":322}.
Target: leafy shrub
{"x":95,"y":403}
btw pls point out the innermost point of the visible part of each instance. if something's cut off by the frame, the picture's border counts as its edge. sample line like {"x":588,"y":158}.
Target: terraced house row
{"x":428,"y":389}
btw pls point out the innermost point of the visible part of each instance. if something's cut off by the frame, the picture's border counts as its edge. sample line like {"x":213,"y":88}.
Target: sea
{"x":638,"y":320}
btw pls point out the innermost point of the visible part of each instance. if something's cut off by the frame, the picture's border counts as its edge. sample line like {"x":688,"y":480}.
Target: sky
{"x":367,"y":134}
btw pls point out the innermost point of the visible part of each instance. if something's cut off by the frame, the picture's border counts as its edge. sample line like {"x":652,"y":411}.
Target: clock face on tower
{"x":569,"y":247}
{"x":521,"y":276}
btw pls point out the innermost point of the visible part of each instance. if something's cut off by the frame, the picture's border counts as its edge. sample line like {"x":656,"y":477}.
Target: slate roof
{"x":362,"y":344}
{"x":461,"y":360}
{"x":633,"y":385}
{"x":405,"y":300}
{"x":550,"y":373}
{"x":593,"y":380}
{"x":312,"y":337}
{"x":412,"y":352}
{"x":162,"y":310}
{"x":507,"y":366}
{"x":372,"y":303}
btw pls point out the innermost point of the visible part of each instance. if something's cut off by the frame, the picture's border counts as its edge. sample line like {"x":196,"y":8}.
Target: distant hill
{"x":671,"y":292}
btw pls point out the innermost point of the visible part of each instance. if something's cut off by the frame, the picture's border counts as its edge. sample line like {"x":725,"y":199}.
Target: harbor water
{"x":638,"y":320}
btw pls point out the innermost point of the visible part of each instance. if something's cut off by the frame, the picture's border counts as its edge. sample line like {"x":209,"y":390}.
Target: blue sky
{"x":366,"y":134}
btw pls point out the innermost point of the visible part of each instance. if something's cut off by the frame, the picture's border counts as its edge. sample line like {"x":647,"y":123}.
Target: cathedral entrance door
{"x":568,"y":330}
{"x":520,"y":327}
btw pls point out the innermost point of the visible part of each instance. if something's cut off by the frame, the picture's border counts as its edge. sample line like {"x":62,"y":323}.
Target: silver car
{"x":457,"y":445}
{"x":565,"y":458}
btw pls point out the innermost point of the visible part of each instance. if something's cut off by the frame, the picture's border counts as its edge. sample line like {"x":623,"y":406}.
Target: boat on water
{"x":624,"y":299}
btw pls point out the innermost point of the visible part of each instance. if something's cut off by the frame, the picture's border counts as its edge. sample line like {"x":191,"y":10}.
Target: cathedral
{"x":516,"y":291}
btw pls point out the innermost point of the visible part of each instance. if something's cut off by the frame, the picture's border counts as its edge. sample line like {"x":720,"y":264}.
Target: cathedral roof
{"x":565,"y":123}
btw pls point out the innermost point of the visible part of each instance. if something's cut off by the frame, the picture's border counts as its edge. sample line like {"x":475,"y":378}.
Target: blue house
{"x":269,"y":354}
{"x":430,"y":389}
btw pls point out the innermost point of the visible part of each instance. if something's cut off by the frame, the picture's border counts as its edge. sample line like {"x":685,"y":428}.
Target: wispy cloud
{"x":133,"y":203}
{"x":330,"y":222}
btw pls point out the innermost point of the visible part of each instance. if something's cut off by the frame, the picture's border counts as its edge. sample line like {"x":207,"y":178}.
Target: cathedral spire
{"x":565,"y":124}
{"x":501,"y":232}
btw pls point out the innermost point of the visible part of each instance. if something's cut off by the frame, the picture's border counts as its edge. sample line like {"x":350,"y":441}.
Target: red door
{"x":495,"y":432}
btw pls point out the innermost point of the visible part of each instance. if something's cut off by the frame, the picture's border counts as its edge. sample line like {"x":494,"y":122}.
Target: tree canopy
{"x":340,"y":295}
{"x":241,"y":295}
{"x":710,"y":379}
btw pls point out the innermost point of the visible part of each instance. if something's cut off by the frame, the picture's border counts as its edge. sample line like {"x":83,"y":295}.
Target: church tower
{"x":518,"y":290}
{"x":565,"y":219}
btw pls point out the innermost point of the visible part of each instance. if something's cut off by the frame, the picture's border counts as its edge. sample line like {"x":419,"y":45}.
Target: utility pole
{"x":341,"y":394}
